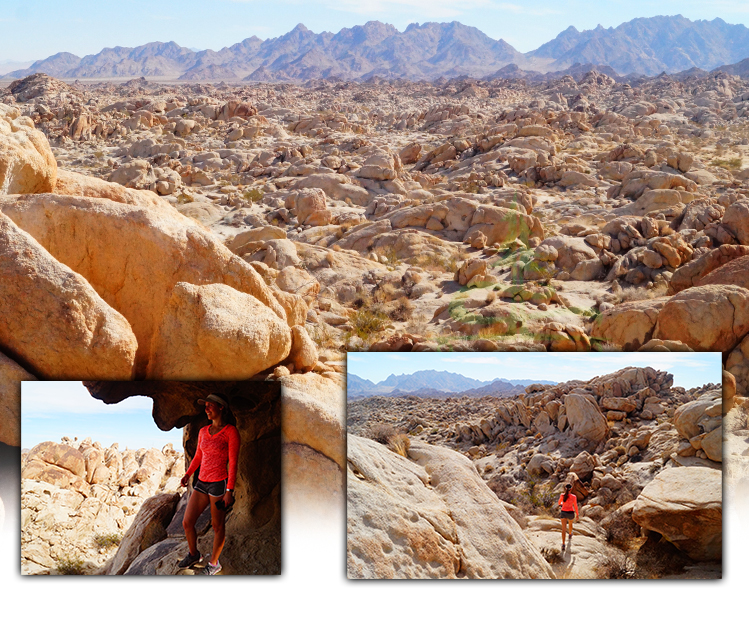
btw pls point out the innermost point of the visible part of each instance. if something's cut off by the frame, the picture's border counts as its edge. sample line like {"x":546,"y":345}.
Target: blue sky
{"x":35,"y":29}
{"x":53,"y":409}
{"x":689,"y":369}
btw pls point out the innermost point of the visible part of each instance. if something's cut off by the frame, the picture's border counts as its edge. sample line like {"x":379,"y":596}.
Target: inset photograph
{"x":534,"y":465}
{"x":150,"y":478}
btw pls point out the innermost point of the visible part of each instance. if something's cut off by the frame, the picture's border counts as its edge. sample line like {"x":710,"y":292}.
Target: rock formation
{"x":641,"y":456}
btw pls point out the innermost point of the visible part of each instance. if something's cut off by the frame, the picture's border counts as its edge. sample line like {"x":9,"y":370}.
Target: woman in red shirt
{"x":568,"y":501}
{"x":218,"y":448}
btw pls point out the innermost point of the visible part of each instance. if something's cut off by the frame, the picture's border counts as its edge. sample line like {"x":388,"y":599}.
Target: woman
{"x":568,"y":501}
{"x":218,"y":448}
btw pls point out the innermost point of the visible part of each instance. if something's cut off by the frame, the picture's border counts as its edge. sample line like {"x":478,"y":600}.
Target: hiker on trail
{"x":568,"y":501}
{"x":218,"y":448}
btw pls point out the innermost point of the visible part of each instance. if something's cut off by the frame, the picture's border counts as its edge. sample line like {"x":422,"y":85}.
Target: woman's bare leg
{"x":564,"y":530}
{"x":218,"y":522}
{"x":197,"y":502}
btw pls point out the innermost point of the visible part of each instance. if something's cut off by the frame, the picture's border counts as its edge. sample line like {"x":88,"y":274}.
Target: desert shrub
{"x":615,"y":565}
{"x":323,"y":335}
{"x":382,"y":432}
{"x":401,"y":309}
{"x":367,"y":322}
{"x":733,"y":163}
{"x":253,"y":195}
{"x":621,"y":529}
{"x":107,"y":540}
{"x":400,"y":443}
{"x":70,"y":566}
{"x":552,"y":554}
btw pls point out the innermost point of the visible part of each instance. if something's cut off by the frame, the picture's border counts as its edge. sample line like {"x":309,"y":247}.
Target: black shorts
{"x":568,"y":515}
{"x":211,"y":488}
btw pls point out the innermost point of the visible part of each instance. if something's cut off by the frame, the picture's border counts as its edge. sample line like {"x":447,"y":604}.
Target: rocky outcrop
{"x":26,"y":161}
{"x":54,"y":321}
{"x":685,"y":506}
{"x":429,"y":516}
{"x":155,"y":245}
{"x":216,"y":332}
{"x":78,"y":499}
{"x":11,"y":375}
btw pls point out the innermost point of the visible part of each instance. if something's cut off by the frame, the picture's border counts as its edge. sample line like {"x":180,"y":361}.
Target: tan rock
{"x":303,"y":350}
{"x":215,"y":332}
{"x":628,"y":325}
{"x":53,"y":319}
{"x":27,"y":164}
{"x":155,"y":249}
{"x":11,"y":375}
{"x":74,"y":184}
{"x":450,"y":523}
{"x":685,"y":505}
{"x":148,"y":528}
{"x":585,"y":418}
{"x":712,"y":317}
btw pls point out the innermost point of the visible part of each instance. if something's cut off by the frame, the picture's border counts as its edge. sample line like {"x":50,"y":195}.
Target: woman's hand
{"x":228,"y":499}
{"x":184,"y":481}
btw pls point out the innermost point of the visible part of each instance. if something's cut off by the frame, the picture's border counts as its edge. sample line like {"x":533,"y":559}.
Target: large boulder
{"x":155,"y":248}
{"x":502,"y":225}
{"x":628,"y":325}
{"x":11,"y":375}
{"x":701,"y":423}
{"x":215,"y":332}
{"x":430,"y":517}
{"x":27,"y":164}
{"x":74,"y":184}
{"x":736,"y":220}
{"x":685,"y":505}
{"x":705,"y":318}
{"x":585,"y":418}
{"x":53,"y":320}
{"x":148,"y":528}
{"x":693,"y":273}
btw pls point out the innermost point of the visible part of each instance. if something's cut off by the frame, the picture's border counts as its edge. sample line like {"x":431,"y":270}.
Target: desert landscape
{"x":87,"y":509}
{"x":466,"y":485}
{"x":259,"y":218}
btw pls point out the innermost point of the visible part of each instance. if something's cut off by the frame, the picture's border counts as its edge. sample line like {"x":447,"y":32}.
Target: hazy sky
{"x":689,"y":369}
{"x":35,"y":29}
{"x":53,"y":409}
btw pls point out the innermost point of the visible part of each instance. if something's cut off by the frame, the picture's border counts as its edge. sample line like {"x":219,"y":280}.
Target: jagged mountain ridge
{"x":422,"y":51}
{"x":433,"y":383}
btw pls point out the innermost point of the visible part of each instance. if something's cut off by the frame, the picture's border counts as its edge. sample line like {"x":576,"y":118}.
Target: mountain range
{"x":434,"y":384}
{"x":642,"y":46}
{"x":645,"y":46}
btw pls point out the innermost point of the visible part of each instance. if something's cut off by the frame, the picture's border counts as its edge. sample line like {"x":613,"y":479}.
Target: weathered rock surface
{"x":432,"y":518}
{"x":685,"y":505}
{"x":53,"y":320}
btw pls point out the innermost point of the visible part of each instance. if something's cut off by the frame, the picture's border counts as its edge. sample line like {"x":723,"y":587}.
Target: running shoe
{"x":211,"y":570}
{"x":189,"y":560}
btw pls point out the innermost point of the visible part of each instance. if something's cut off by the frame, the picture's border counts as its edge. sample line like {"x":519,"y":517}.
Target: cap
{"x":216,"y":399}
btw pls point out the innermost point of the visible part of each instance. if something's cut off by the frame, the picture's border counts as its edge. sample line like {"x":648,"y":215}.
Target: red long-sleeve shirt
{"x":217,"y":455}
{"x":570,"y":505}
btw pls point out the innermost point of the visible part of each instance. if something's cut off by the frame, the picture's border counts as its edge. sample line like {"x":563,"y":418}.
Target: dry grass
{"x":615,"y":565}
{"x":368,"y":321}
{"x":70,"y":566}
{"x":107,"y":540}
{"x":323,"y":335}
{"x":382,"y":432}
{"x":729,"y":164}
{"x":400,"y":310}
{"x":400,"y":444}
